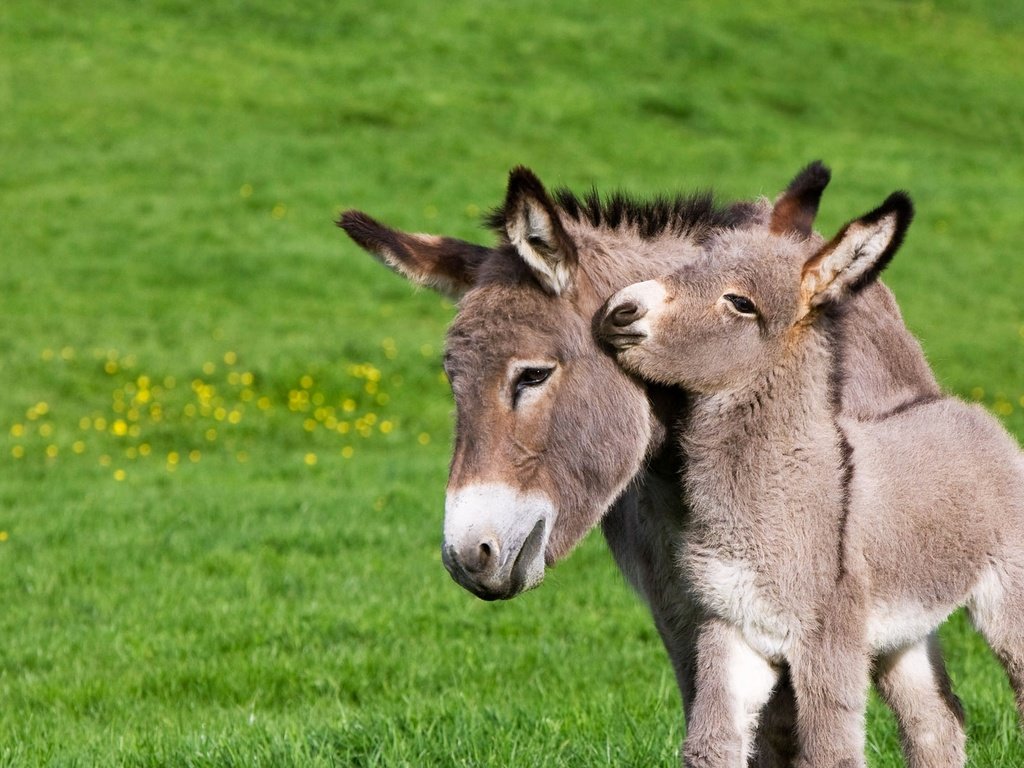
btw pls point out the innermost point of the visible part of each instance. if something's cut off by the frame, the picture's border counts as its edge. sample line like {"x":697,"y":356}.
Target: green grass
{"x":168,"y":176}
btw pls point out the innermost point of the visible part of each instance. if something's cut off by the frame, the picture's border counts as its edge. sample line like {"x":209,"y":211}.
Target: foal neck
{"x":757,"y":454}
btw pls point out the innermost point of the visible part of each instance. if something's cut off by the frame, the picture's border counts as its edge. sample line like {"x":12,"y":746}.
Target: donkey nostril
{"x":479,"y":558}
{"x":625,"y":313}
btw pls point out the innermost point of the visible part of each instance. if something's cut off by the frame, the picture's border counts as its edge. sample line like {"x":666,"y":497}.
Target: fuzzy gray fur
{"x":822,"y":535}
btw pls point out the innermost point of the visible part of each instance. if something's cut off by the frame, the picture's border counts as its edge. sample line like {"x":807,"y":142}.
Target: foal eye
{"x":741,"y":304}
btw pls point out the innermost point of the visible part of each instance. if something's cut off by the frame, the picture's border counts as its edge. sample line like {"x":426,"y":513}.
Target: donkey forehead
{"x":496,"y":322}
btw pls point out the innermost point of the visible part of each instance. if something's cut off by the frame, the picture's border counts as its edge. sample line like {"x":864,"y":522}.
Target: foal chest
{"x":734,"y":590}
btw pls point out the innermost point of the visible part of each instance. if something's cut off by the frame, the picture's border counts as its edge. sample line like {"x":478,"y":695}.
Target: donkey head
{"x":726,"y":320}
{"x":548,"y":430}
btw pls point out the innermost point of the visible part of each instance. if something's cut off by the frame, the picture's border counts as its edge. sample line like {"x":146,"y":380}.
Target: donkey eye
{"x":741,"y":304}
{"x":532,"y":377}
{"x":527,"y":378}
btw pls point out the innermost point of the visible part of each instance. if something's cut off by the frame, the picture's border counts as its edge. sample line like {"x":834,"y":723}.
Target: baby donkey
{"x":817,"y":540}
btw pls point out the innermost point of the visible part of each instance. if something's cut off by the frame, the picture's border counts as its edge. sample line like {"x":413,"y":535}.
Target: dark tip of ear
{"x":798,"y":205}
{"x":522,"y":181}
{"x":355,"y":220}
{"x":898,"y":202}
{"x":812,"y":180}
{"x":367,"y":232}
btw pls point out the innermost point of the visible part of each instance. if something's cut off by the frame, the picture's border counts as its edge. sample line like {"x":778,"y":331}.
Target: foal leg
{"x":997,"y":609}
{"x":914,"y":683}
{"x":831,"y":675}
{"x":733,"y":683}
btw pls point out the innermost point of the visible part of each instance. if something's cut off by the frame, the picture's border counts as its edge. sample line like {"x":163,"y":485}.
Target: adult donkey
{"x":552,"y":438}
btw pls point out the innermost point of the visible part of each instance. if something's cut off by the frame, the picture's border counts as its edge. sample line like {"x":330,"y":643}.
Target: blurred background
{"x":224,"y":431}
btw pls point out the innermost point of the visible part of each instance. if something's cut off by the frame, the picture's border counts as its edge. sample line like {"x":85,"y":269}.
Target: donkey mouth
{"x":524,"y":573}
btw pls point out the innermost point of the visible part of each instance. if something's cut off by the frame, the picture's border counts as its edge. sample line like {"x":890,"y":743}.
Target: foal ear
{"x":445,"y":264}
{"x":857,"y":255}
{"x":533,"y":227}
{"x":797,"y":206}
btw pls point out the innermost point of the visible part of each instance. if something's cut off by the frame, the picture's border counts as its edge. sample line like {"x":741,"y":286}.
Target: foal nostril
{"x":479,"y":558}
{"x":626,"y":313}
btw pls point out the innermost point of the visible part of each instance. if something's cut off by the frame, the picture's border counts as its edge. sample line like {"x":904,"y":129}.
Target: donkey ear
{"x":797,"y":206}
{"x":857,"y":255}
{"x":536,"y":232}
{"x":442,"y":263}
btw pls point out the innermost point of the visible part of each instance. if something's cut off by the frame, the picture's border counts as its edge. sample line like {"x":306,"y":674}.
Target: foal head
{"x":731,"y":317}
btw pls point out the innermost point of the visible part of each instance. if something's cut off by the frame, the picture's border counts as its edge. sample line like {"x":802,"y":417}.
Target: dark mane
{"x":694,"y":214}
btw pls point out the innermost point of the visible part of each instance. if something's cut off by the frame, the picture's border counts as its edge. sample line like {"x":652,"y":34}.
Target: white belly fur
{"x":729,"y":589}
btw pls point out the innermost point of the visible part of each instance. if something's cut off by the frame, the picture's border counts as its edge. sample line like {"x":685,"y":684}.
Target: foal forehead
{"x":758,"y":259}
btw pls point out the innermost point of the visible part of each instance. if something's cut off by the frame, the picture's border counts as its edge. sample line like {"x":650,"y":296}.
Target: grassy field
{"x":223,"y":430}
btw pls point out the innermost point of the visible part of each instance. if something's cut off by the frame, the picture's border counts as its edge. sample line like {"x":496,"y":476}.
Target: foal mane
{"x":695,"y":215}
